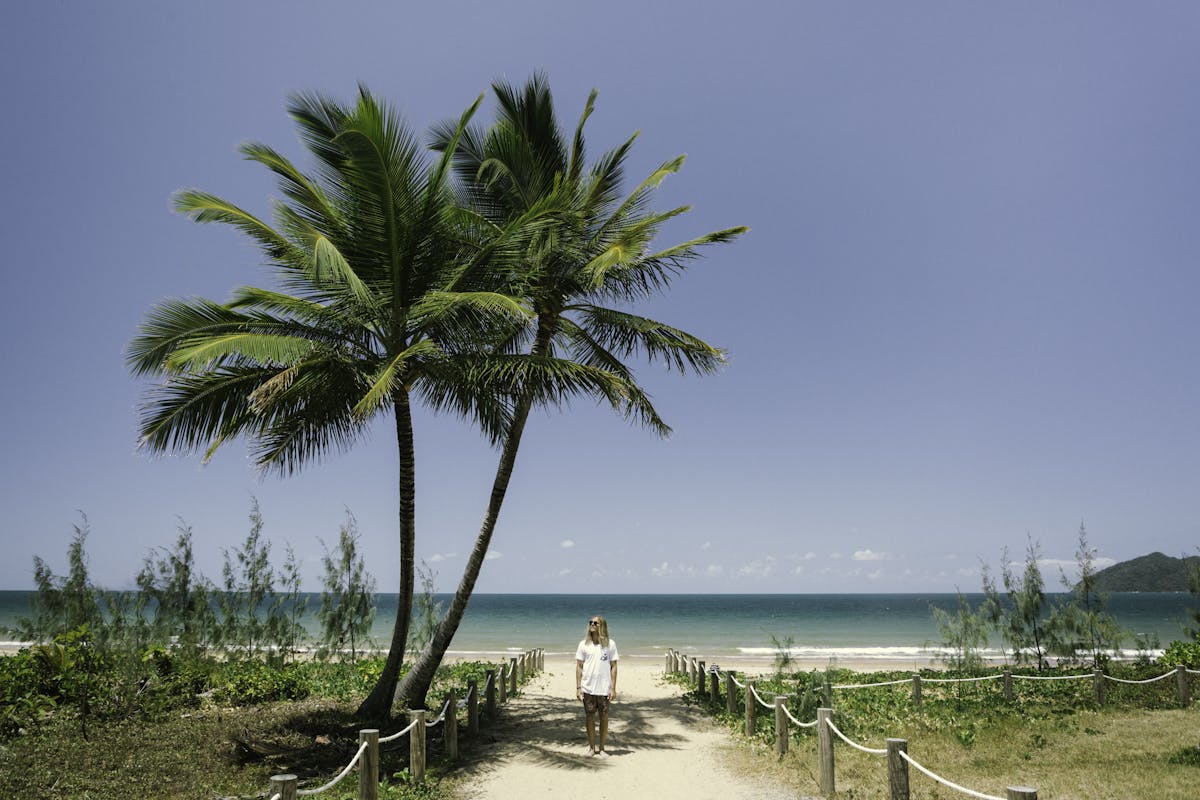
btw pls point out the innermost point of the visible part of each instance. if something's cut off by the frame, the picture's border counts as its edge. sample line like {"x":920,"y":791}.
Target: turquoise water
{"x":847,"y":627}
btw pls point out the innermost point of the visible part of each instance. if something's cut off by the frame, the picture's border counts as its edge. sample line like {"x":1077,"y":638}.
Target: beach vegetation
{"x":783,"y":652}
{"x":63,"y":603}
{"x":1084,"y":632}
{"x":585,"y":261}
{"x":348,"y":599}
{"x":248,"y":582}
{"x":964,"y":634}
{"x":177,"y":597}
{"x":1026,"y":626}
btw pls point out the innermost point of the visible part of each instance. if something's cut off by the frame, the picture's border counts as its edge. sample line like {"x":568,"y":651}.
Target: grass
{"x":1052,"y":737}
{"x":213,"y":747}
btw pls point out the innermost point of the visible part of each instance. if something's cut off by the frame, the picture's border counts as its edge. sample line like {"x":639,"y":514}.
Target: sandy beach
{"x":660,"y":746}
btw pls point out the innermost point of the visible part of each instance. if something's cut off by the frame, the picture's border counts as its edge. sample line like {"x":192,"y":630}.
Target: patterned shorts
{"x":595,"y":702}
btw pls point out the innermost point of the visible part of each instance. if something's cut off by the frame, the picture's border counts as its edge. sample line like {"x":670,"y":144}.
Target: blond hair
{"x":601,"y":632}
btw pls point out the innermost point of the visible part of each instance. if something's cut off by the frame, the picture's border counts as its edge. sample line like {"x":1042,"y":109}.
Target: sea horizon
{"x":827,"y":627}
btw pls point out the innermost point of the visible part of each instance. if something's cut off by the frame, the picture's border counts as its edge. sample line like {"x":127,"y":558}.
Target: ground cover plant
{"x":189,"y":727}
{"x":1052,"y":735}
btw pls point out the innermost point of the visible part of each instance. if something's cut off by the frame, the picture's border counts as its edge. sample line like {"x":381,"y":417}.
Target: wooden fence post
{"x":751,"y":709}
{"x":521,"y":668}
{"x":897,"y":769}
{"x":284,"y":786}
{"x":825,"y":752}
{"x":503,"y":684}
{"x":416,"y":746}
{"x":542,"y":659}
{"x":1181,"y":686}
{"x":1098,"y":680}
{"x":490,"y":695}
{"x":916,"y":691}
{"x":1021,"y":793}
{"x":781,"y":726}
{"x":451,"y":730}
{"x":700,"y":676}
{"x":1008,"y":690}
{"x":512,"y":675}
{"x":473,"y":707}
{"x":692,"y":669}
{"x":368,"y":765}
{"x":714,"y":691}
{"x":827,"y":692}
{"x":730,"y":694}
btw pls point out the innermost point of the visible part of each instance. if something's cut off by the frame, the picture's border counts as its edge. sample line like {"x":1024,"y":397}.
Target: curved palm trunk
{"x":378,"y":704}
{"x":413,"y":689}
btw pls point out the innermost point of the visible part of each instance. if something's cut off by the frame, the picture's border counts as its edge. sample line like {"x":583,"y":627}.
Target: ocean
{"x":844,"y":628}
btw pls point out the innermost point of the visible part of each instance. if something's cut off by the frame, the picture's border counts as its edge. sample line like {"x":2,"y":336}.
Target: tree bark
{"x":378,"y":704}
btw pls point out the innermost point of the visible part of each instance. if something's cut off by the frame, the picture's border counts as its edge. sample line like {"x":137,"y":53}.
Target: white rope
{"x":441,"y":716}
{"x":1148,"y":680}
{"x":961,"y":680}
{"x":1050,"y":677}
{"x":463,"y":703}
{"x":737,"y":684}
{"x":798,"y":722}
{"x":398,"y":734}
{"x":277,"y":796}
{"x":855,"y":745}
{"x":757,"y":697}
{"x":361,"y":748}
{"x":871,"y":685}
{"x":945,"y":782}
{"x":1192,"y":671}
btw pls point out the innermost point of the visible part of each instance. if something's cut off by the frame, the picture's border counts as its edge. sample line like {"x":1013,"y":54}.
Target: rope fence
{"x":706,"y":683}
{"x":519,"y":670}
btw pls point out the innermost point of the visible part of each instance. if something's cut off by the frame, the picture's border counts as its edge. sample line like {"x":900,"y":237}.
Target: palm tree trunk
{"x":413,"y":689}
{"x":378,"y":704}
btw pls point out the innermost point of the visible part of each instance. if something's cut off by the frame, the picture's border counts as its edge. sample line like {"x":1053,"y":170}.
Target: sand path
{"x":659,"y":746}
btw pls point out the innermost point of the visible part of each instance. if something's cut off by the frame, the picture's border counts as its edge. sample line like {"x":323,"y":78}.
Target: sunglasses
{"x":593,"y":622}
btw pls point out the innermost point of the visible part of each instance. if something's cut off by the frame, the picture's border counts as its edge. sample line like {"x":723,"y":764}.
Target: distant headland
{"x":1155,"y":572}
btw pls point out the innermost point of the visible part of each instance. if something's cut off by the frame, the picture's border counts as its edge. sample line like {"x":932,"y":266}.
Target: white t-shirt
{"x":597,"y":662}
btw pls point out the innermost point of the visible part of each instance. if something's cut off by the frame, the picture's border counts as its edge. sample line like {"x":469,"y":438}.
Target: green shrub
{"x":1185,"y":653}
{"x":250,"y":682}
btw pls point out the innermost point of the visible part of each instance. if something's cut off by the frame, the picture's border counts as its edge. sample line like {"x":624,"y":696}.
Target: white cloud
{"x":834,"y":556}
{"x":661,"y":570}
{"x":493,"y":555}
{"x":714,"y":570}
{"x":809,"y":556}
{"x":436,"y":557}
{"x":567,"y":543}
{"x":564,"y":572}
{"x":758,"y":568}
{"x":870,"y":555}
{"x":706,"y":545}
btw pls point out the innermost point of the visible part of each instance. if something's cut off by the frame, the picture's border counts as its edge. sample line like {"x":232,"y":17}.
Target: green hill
{"x":1151,"y":573}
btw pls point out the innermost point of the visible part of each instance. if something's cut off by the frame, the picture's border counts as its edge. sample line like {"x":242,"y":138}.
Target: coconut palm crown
{"x":593,"y":254}
{"x":382,"y":294}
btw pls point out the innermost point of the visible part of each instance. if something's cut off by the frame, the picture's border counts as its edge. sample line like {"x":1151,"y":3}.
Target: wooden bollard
{"x":1008,"y":690}
{"x":521,"y":669}
{"x":700,"y":676}
{"x":542,"y":659}
{"x":512,"y":675}
{"x":1021,"y":793}
{"x":473,"y":707}
{"x":751,"y":709}
{"x":368,"y":765}
{"x":730,"y":694}
{"x":825,"y":752}
{"x":416,"y":746}
{"x":781,"y":726}
{"x":450,"y":732}
{"x":1181,"y":686}
{"x":692,"y":669}
{"x":827,"y":692}
{"x":1098,"y":679}
{"x":897,"y":769}
{"x":490,"y":695}
{"x":916,"y":691}
{"x":503,"y":685}
{"x":284,"y":786}
{"x":714,"y":692}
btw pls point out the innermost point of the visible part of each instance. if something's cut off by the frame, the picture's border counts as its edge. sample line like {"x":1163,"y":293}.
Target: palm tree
{"x":380,"y":298}
{"x":595,"y":253}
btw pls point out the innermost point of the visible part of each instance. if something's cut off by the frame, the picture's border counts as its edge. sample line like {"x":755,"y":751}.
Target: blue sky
{"x":965,"y":313}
